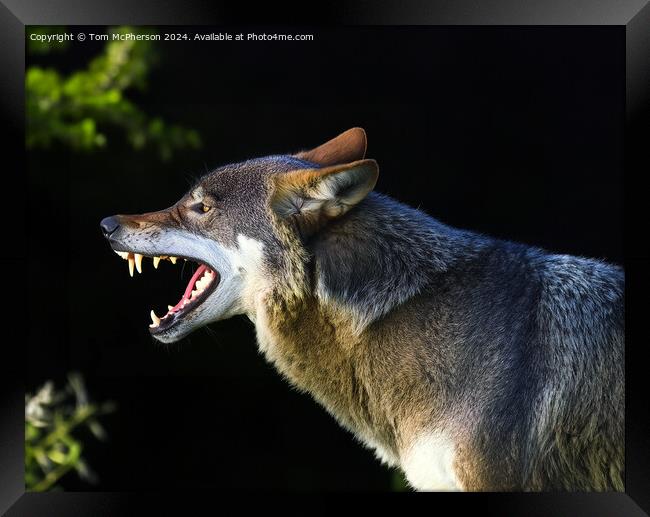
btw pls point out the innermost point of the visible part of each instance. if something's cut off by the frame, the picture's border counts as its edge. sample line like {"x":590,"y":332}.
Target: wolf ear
{"x":347,"y":147}
{"x":313,"y":196}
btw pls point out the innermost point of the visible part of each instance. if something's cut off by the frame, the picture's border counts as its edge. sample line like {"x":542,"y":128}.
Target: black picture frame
{"x":632,"y":15}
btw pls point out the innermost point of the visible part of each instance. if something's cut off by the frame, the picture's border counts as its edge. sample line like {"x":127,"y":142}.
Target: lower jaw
{"x":170,"y":332}
{"x":170,"y":335}
{"x":174,"y":332}
{"x":165,"y":327}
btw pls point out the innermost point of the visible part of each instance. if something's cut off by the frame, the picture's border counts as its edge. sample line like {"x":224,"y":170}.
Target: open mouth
{"x":203,"y":282}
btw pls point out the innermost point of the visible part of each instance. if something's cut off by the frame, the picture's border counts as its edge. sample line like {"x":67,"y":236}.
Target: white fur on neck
{"x":429,"y":463}
{"x":248,"y":262}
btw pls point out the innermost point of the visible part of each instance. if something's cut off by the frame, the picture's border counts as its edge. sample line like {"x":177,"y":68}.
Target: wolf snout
{"x":109,"y":225}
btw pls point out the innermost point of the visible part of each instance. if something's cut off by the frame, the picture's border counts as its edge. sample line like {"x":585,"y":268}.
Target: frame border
{"x":634,"y":15}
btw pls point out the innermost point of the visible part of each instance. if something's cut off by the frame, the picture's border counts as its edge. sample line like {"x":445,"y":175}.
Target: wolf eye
{"x":201,"y":208}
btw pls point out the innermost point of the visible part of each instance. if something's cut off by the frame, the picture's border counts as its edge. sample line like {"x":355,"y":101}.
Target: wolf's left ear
{"x":347,"y":147}
{"x":313,"y":196}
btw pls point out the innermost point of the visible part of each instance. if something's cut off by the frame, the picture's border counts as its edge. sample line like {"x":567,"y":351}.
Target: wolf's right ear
{"x":349,"y":146}
{"x":311,"y":197}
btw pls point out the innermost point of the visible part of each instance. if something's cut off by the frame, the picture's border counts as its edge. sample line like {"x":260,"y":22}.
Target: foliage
{"x":51,"y":450}
{"x":76,"y":109}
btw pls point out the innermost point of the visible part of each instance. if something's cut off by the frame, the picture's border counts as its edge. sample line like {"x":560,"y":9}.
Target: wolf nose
{"x":109,"y":225}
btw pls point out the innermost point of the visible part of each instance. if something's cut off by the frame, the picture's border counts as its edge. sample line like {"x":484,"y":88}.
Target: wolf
{"x":468,"y":362}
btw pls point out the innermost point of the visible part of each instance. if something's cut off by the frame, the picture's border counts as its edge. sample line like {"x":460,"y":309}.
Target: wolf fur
{"x":469,"y":362}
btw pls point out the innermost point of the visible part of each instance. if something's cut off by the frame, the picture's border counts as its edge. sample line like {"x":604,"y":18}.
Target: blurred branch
{"x":76,"y":109}
{"x":51,"y":450}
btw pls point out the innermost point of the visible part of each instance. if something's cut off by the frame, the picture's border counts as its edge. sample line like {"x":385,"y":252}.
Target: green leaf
{"x":57,"y":456}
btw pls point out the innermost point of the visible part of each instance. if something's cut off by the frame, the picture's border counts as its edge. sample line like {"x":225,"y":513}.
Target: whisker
{"x":213,"y":336}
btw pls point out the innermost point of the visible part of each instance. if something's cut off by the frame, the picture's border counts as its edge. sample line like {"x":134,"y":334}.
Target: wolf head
{"x":246,"y":226}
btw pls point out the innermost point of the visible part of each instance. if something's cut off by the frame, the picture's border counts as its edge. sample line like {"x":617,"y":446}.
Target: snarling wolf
{"x":469,"y":362}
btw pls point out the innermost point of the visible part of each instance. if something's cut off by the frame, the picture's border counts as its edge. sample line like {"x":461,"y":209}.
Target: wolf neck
{"x":378,"y":256}
{"x":361,"y":267}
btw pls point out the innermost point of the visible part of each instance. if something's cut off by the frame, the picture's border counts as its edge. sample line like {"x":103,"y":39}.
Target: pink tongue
{"x":188,"y":290}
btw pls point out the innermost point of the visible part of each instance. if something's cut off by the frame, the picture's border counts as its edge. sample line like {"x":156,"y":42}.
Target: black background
{"x":514,"y":132}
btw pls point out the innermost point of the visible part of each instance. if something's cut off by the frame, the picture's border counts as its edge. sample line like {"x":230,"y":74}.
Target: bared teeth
{"x":155,"y":319}
{"x":203,"y":282}
{"x":135,"y":264}
{"x":138,"y":262}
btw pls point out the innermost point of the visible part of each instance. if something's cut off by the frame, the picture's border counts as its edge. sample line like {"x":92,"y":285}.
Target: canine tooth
{"x":123,"y":254}
{"x":173,"y":259}
{"x":131,"y":264}
{"x":169,"y":307}
{"x":155,"y":319}
{"x":138,"y":262}
{"x":156,"y":261}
